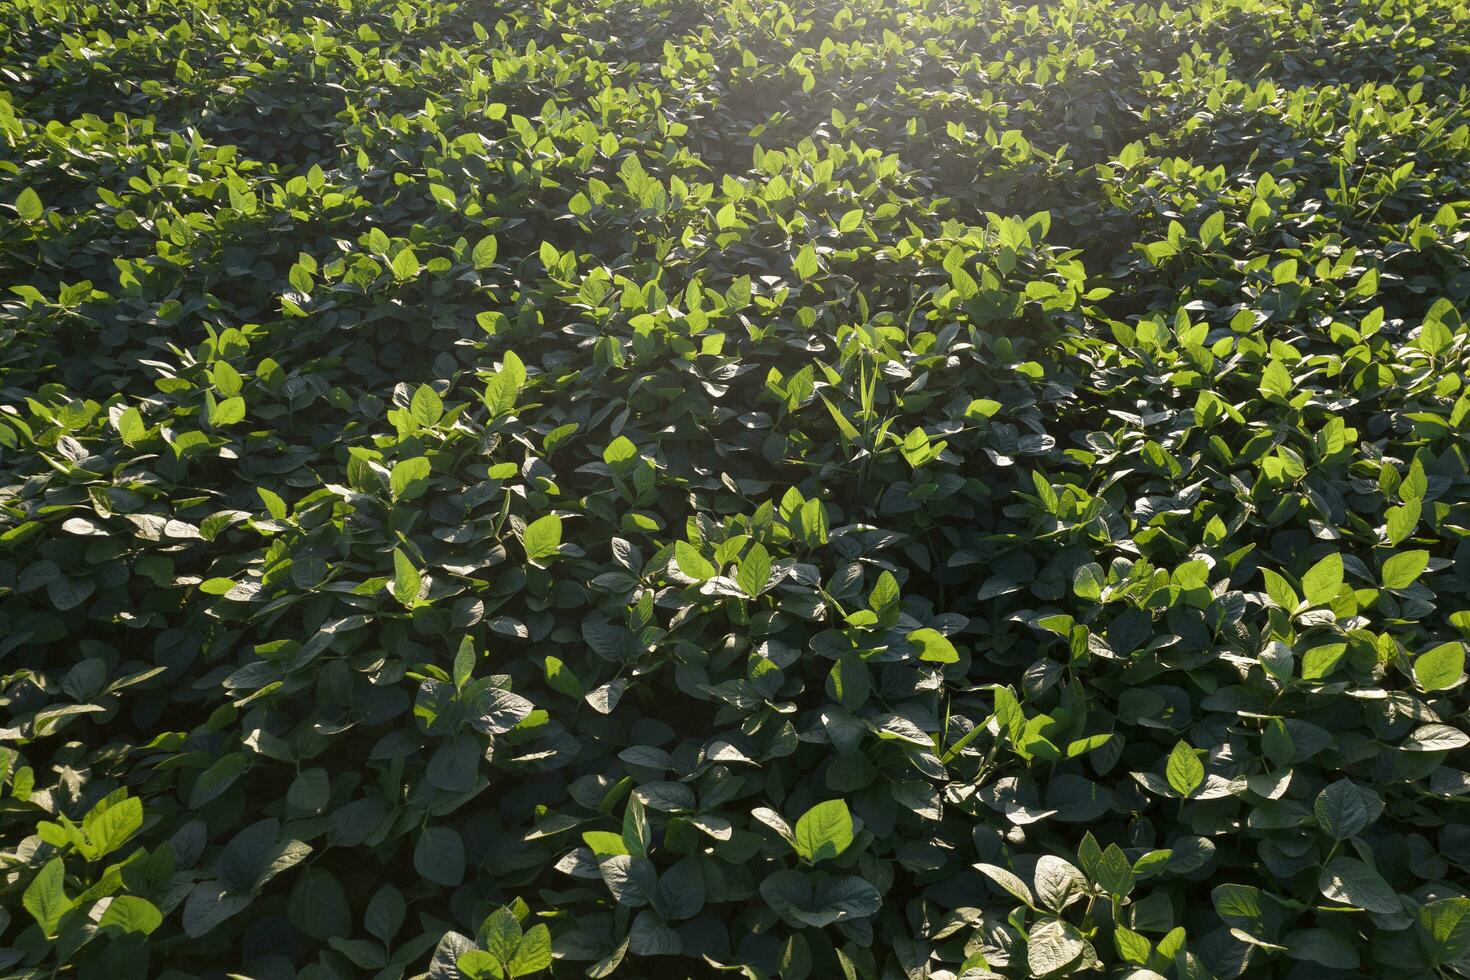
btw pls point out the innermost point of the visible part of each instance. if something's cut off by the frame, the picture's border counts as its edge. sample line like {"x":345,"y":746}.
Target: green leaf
{"x":558,"y":436}
{"x":318,"y":905}
{"x":1403,"y":569}
{"x":406,"y":579}
{"x":1323,"y":947}
{"x":455,"y":765}
{"x":812,"y":523}
{"x":1280,"y":591}
{"x":227,"y":412}
{"x":631,"y":879}
{"x":1353,"y":883}
{"x":504,"y":388}
{"x":824,"y":831}
{"x":464,"y":662}
{"x":805,"y":265}
{"x":933,"y":646}
{"x":130,"y":426}
{"x":500,"y":934}
{"x":681,"y":892}
{"x":1010,"y":715}
{"x":1320,"y":661}
{"x":1114,"y":873}
{"x":28,"y":205}
{"x":982,"y":408}
{"x":837,"y":898}
{"x":226,"y":379}
{"x":109,"y":825}
{"x":361,"y":952}
{"x":484,"y":252}
{"x":1132,"y":947}
{"x":45,"y":897}
{"x":834,"y":898}
{"x":439,"y":856}
{"x":1248,"y":909}
{"x":1323,"y":580}
{"x":127,"y":914}
{"x":1184,"y":770}
{"x":1416,"y":484}
{"x":1444,"y":929}
{"x":310,"y":791}
{"x":844,"y":425}
{"x":1088,"y":582}
{"x":1057,"y":882}
{"x":1277,"y":743}
{"x":884,"y":597}
{"x":1008,"y":881}
{"x":1401,"y":521}
{"x":542,"y":537}
{"x":1442,"y":667}
{"x":691,"y":563}
{"x":1276,"y":381}
{"x":476,"y":964}
{"x":219,"y":777}
{"x":560,"y":678}
{"x":1342,"y":809}
{"x":1211,"y":230}
{"x":405,"y":265}
{"x":604,"y":843}
{"x":755,"y":570}
{"x":274,"y":505}
{"x":385,"y":913}
{"x":409,"y":478}
{"x":1052,"y":946}
{"x":534,"y":952}
{"x":849,"y":683}
{"x":426,"y":407}
{"x":1435,"y":738}
{"x":619,"y":453}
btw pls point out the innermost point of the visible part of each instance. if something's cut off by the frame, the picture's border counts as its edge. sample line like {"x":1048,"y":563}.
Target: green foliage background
{"x":641,"y":488}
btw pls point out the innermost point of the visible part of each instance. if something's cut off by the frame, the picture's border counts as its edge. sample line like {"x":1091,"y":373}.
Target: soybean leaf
{"x":824,"y":831}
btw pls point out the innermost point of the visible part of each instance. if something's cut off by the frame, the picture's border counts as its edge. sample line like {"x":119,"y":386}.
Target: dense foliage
{"x":640,"y":488}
